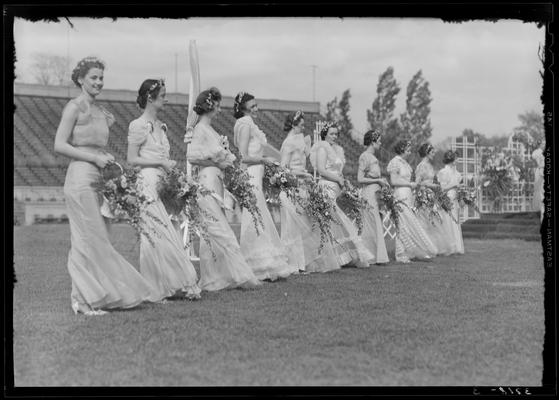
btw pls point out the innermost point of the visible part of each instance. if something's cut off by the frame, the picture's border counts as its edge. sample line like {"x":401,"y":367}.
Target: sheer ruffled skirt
{"x":101,"y":277}
{"x":263,"y":250}
{"x":164,"y":263}
{"x":373,"y":231}
{"x":411,"y":240}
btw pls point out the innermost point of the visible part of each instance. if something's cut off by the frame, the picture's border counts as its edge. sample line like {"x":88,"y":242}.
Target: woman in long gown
{"x":329,"y":160}
{"x":222,"y":264}
{"x":101,"y":278}
{"x":263,"y":250}
{"x":164,"y":262}
{"x":411,"y":240}
{"x":301,"y":242}
{"x":436,"y":229}
{"x":537,"y":202}
{"x":450,"y":179}
{"x":369,"y":175}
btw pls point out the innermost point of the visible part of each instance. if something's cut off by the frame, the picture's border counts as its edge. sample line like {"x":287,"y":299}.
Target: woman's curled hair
{"x":83,"y":67}
{"x":371,"y":136}
{"x":401,"y":146}
{"x":425,"y":149}
{"x":292,"y":120}
{"x":149,"y":89}
{"x":207,"y":100}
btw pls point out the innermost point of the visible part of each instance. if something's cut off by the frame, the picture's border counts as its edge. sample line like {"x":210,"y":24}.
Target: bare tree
{"x":50,"y":69}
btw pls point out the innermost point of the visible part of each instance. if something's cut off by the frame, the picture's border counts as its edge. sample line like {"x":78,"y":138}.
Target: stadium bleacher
{"x":38,"y":109}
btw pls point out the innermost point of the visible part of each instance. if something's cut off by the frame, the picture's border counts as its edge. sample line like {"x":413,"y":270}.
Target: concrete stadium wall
{"x":29,"y":89}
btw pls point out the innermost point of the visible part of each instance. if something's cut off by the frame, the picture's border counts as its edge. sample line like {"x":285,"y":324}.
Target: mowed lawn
{"x":475,"y":319}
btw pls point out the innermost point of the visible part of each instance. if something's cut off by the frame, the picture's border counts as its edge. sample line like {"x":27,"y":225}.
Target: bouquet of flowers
{"x":443,"y":201}
{"x":278,"y":179}
{"x":237,"y":182}
{"x":496,"y":182}
{"x":353,"y":204}
{"x":425,"y":201}
{"x":179,"y":194}
{"x":388,"y":204}
{"x":121,"y":188}
{"x":467,"y":196}
{"x":320,"y":209}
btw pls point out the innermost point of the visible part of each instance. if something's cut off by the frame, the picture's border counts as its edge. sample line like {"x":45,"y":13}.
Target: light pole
{"x":314,"y":67}
{"x":176,"y":72}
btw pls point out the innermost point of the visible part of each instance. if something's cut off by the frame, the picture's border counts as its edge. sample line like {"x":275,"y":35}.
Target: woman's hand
{"x":101,"y":160}
{"x":268,"y":160}
{"x":341,"y":180}
{"x":413,"y":185}
{"x":384,"y":182}
{"x":168,"y":164}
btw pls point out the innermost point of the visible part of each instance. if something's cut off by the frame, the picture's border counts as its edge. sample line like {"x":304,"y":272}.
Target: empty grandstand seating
{"x":38,"y":113}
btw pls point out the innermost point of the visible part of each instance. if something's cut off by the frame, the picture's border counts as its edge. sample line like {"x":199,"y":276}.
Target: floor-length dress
{"x":101,"y":277}
{"x":263,"y":250}
{"x":449,"y":176}
{"x":373,"y":231}
{"x":301,"y":242}
{"x":411,"y":240}
{"x":222,"y":264}
{"x":436,"y":229}
{"x":164,"y":263}
{"x":349,"y":247}
{"x":537,"y":202}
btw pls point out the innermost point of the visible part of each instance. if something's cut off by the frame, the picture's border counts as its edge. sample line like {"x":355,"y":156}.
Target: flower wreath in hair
{"x":327,"y":126}
{"x":90,"y":59}
{"x":159,"y":83}
{"x":429,"y":148}
{"x":298,"y":114}
{"x":375,"y":136}
{"x":238,"y":101}
{"x":210,"y":101}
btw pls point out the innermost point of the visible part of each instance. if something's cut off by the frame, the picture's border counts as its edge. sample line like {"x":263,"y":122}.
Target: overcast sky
{"x":481,"y":74}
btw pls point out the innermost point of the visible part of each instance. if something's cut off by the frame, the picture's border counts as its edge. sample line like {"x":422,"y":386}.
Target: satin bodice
{"x":92,"y":125}
{"x":295,"y":145}
{"x":257,"y":138}
{"x":424,"y":172}
{"x":152,"y":138}
{"x":448,"y":176}
{"x":370,"y":168}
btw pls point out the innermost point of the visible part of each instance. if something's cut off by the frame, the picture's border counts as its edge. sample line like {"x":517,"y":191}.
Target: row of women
{"x":103,"y":280}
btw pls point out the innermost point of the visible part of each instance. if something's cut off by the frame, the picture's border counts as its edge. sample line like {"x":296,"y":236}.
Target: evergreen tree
{"x":415,"y":121}
{"x":381,"y":115}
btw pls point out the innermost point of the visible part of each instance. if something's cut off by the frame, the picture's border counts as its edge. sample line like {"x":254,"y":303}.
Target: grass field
{"x":476,"y":319}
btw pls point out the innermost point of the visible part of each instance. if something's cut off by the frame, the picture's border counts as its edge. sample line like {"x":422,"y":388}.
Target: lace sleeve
{"x":137,"y":132}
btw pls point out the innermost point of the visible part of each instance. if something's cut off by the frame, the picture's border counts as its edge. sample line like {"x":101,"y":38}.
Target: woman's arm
{"x":61,"y":145}
{"x":133,"y":157}
{"x":398,"y":181}
{"x":321,"y":156}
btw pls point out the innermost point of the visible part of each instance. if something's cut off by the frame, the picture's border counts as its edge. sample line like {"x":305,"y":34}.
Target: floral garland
{"x":237,"y":182}
{"x":319,"y":207}
{"x":179,"y":194}
{"x":121,"y":188}
{"x":353,"y":204}
{"x":425,"y":201}
{"x":278,"y":179}
{"x":388,"y":204}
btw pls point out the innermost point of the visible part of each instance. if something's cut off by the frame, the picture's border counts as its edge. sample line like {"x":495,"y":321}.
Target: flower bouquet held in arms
{"x":237,"y":182}
{"x":179,"y":194}
{"x":389,"y":205}
{"x":467,"y":196}
{"x":121,"y":190}
{"x":425,"y":201}
{"x":353,"y":204}
{"x":278,"y":179}
{"x":497,"y":183}
{"x":319,"y":207}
